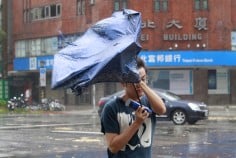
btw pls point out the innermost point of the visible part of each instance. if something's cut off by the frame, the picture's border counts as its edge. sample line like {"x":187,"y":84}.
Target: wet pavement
{"x":76,"y":134}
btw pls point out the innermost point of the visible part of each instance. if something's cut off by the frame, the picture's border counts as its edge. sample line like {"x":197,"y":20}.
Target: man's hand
{"x":141,"y":114}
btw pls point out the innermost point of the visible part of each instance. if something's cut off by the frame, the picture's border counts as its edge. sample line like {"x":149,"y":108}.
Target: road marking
{"x":86,"y":139}
{"x":78,"y":132}
{"x":39,"y":126}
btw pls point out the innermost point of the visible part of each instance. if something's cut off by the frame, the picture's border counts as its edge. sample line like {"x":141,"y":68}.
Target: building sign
{"x":147,"y":24}
{"x":33,"y":63}
{"x":188,"y":58}
{"x":200,"y":24}
{"x":182,"y":37}
{"x":174,"y":23}
{"x":42,"y":77}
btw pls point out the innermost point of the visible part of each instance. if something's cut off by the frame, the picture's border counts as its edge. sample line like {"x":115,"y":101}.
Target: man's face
{"x":132,"y":90}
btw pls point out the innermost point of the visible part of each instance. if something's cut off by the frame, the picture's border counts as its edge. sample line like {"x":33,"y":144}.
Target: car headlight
{"x":194,"y":107}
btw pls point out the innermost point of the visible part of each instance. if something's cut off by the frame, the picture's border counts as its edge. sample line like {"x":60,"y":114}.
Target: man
{"x":129,"y":132}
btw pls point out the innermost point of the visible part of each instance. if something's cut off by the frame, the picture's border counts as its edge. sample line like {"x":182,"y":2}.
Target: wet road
{"x":78,"y":136}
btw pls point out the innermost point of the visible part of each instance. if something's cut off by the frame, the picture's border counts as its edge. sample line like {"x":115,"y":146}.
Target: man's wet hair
{"x":140,"y":63}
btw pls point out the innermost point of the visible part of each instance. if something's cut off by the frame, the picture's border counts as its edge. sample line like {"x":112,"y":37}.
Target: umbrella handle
{"x":137,"y":94}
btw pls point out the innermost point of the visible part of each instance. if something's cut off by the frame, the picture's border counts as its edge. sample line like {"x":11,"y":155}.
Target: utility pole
{"x":5,"y":44}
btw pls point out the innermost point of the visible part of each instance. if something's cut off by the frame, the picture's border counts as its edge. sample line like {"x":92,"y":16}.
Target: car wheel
{"x":179,"y":117}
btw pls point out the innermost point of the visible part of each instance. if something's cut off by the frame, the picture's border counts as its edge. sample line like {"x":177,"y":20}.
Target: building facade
{"x":188,"y":45}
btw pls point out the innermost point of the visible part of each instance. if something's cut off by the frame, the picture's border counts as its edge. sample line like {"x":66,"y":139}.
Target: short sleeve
{"x":109,"y":122}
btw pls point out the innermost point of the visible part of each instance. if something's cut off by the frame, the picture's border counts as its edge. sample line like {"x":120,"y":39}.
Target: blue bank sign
{"x":188,"y":58}
{"x":33,"y":63}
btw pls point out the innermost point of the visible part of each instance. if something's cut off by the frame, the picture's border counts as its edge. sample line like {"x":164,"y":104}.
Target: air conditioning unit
{"x":92,"y":2}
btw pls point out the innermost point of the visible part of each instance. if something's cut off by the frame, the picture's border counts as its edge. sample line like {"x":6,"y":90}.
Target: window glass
{"x":50,"y":45}
{"x":197,"y":4}
{"x":120,"y":4}
{"x":218,"y":81}
{"x":53,"y":10}
{"x":205,"y":4}
{"x":20,"y":49}
{"x":35,"y":47}
{"x":50,"y":11}
{"x":161,"y":5}
{"x":157,"y":5}
{"x":212,"y":82}
{"x":85,"y":97}
{"x":38,"y":46}
{"x":165,"y":5}
{"x":47,"y":11}
{"x":58,"y":9}
{"x":116,"y":6}
{"x":178,"y":81}
{"x":39,"y":13}
{"x":201,"y":4}
{"x":81,"y":7}
{"x":124,"y":4}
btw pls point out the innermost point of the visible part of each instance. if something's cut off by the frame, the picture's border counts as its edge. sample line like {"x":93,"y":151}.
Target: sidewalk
{"x":216,"y":112}
{"x":219,"y":112}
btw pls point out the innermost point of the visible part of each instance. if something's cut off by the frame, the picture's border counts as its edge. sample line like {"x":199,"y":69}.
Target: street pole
{"x":42,"y":80}
{"x":94,"y":97}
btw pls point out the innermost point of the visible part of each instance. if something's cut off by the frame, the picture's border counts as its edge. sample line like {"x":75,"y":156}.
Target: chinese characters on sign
{"x":147,"y":24}
{"x":200,"y":24}
{"x":175,"y":23}
{"x":34,"y":63}
{"x":161,"y":58}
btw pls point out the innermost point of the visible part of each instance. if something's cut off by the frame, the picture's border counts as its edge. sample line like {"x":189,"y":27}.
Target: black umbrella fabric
{"x":105,"y":53}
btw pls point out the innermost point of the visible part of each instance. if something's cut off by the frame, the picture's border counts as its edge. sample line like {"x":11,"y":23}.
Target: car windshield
{"x":168,"y":95}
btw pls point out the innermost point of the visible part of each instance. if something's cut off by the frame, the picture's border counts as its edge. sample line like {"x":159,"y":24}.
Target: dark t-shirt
{"x":116,"y":117}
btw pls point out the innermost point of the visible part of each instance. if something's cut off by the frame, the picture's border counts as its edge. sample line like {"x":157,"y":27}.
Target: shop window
{"x":212,"y":79}
{"x":85,"y":97}
{"x":177,"y":81}
{"x":218,"y":81}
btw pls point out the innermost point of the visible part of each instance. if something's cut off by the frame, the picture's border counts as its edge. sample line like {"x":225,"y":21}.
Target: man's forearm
{"x":156,"y":102}
{"x":119,"y":141}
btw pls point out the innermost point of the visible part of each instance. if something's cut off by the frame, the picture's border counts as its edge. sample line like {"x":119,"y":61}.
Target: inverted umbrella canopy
{"x":105,"y":53}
